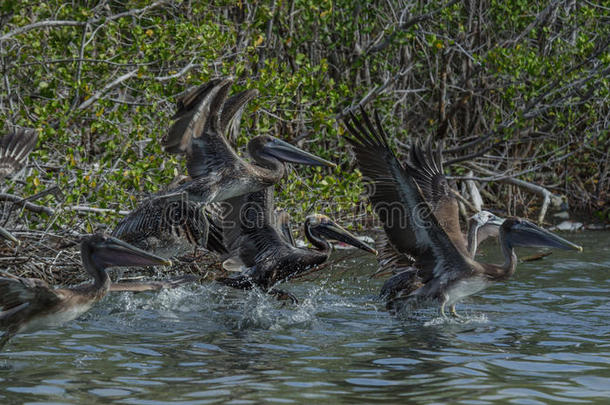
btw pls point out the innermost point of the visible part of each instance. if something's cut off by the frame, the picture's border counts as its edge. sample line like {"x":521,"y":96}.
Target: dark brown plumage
{"x":171,"y":227}
{"x":426,"y":166}
{"x":14,"y":150}
{"x":217,"y":172}
{"x":265,"y":252}
{"x":482,"y":225}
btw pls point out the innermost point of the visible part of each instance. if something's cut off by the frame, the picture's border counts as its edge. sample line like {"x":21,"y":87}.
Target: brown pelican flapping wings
{"x":427,"y":167}
{"x":216,"y":171}
{"x":444,"y":271}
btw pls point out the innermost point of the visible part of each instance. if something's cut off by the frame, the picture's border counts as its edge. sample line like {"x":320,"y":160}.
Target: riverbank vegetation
{"x":516,"y":91}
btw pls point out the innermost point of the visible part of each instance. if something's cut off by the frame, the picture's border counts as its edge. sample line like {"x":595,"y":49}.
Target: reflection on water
{"x":543,"y":337}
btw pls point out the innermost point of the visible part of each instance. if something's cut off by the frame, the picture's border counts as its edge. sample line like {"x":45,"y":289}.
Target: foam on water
{"x":462,"y":320}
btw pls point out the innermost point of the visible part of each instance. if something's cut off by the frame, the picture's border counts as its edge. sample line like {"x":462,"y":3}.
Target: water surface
{"x":543,"y":337}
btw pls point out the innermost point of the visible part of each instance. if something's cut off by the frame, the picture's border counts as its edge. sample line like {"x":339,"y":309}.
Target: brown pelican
{"x":14,"y":150}
{"x":264,"y":249}
{"x":427,"y":166}
{"x":216,"y":172}
{"x":443,"y":270}
{"x":30,"y":304}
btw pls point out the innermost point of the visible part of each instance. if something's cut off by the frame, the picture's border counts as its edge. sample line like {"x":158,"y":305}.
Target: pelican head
{"x":486,"y":224}
{"x":321,"y":225}
{"x":487,"y":218}
{"x":274,"y":148}
{"x":106,"y":251}
{"x":7,"y":235}
{"x":519,"y":232}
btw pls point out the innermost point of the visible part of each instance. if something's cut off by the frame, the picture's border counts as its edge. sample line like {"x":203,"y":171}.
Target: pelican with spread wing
{"x":482,"y":225}
{"x":216,"y":171}
{"x":443,"y":269}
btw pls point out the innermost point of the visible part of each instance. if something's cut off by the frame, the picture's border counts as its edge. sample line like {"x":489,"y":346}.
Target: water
{"x":543,"y":337}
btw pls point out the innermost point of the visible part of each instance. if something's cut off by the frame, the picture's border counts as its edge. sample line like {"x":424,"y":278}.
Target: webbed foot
{"x":454,"y":312}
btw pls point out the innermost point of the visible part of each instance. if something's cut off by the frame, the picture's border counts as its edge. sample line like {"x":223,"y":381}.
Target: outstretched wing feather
{"x":164,"y":215}
{"x":410,"y":224}
{"x":249,"y":231}
{"x":14,"y":150}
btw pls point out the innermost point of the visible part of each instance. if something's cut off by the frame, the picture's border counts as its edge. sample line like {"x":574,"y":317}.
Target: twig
{"x":41,"y":24}
{"x":64,"y":23}
{"x":547,"y":196}
{"x":465,"y":201}
{"x":50,"y":211}
{"x":404,"y":25}
{"x":106,"y":89}
{"x":83,"y":208}
{"x":374,"y":92}
{"x":181,"y":73}
{"x":26,"y":204}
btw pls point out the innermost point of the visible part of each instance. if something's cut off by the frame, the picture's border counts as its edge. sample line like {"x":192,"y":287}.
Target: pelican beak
{"x":526,"y":234}
{"x":334,"y":231}
{"x":291,"y":154}
{"x":115,"y":252}
{"x":7,"y":235}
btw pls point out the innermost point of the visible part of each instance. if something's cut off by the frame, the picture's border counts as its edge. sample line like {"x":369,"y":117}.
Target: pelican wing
{"x":164,"y":215}
{"x":17,"y":293}
{"x":198,"y":130}
{"x":391,"y":259}
{"x":426,"y":167}
{"x":191,"y":102}
{"x":407,"y":218}
{"x":216,"y":242}
{"x":282,"y":223}
{"x":14,"y":150}
{"x":232,"y":111}
{"x":210,"y":152}
{"x":249,"y":230}
{"x":202,"y":120}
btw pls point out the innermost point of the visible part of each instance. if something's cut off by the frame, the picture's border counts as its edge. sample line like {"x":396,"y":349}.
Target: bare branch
{"x":41,"y":24}
{"x":26,"y":204}
{"x":106,"y":89}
